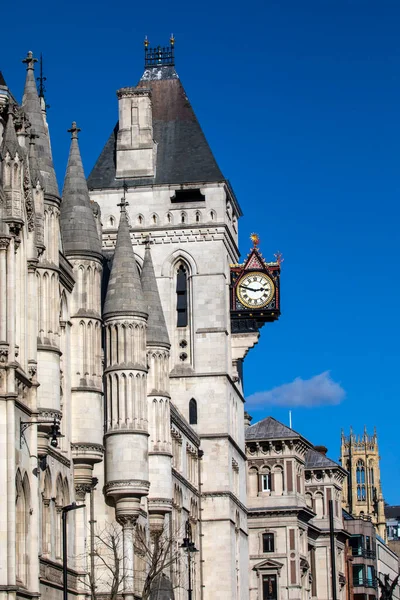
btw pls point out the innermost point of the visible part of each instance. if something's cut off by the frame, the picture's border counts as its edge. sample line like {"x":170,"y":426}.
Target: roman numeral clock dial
{"x":255,"y":290}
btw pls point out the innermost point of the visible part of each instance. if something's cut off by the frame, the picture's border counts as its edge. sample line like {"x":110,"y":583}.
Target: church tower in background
{"x":362,"y":492}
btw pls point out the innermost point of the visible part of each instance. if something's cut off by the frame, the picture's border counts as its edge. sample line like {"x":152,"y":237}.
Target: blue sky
{"x":300,"y":102}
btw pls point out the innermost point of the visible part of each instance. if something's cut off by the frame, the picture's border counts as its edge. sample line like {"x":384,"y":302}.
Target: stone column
{"x":128,"y":524}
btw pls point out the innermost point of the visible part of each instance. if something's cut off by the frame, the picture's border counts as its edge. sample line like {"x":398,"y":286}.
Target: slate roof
{"x":270,"y":429}
{"x":392,"y":512}
{"x":317,"y":460}
{"x":124,"y":291}
{"x":157,"y":333}
{"x":2,"y":80}
{"x":183,"y":153}
{"x":33,"y":110}
{"x":78,"y":227}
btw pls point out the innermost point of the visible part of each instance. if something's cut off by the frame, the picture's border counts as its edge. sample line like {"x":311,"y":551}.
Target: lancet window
{"x":182,"y":297}
{"x":192,"y":412}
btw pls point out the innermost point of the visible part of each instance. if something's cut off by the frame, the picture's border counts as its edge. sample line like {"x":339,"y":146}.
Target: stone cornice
{"x":303,"y":513}
{"x":125,"y":431}
{"x":48,"y":348}
{"x":229,"y":495}
{"x":184,"y":481}
{"x":132,"y":486}
{"x":58,"y":457}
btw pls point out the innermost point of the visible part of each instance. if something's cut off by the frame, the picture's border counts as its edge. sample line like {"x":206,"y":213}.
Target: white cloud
{"x":320,"y":390}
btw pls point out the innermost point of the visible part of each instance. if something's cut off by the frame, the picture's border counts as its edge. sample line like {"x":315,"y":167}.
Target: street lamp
{"x":65,"y":510}
{"x":189,"y":547}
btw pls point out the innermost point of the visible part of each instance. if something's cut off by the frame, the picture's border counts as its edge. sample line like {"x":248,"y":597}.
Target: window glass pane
{"x":268,"y":542}
{"x":269,"y":587}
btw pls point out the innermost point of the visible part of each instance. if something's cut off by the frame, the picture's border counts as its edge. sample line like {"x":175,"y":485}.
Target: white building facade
{"x":120,"y":377}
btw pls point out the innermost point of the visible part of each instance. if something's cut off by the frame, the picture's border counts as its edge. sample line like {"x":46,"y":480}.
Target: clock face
{"x":255,"y":290}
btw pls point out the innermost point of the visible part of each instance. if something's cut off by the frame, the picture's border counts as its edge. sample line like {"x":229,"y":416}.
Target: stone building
{"x":362,"y":491}
{"x":290,"y":484}
{"x":124,"y":322}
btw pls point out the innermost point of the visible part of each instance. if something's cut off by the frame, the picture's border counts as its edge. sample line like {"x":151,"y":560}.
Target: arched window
{"x":193,"y":412}
{"x":319,"y":505}
{"x":360,"y":472}
{"x":371,"y":476}
{"x":266,"y":481}
{"x":268,"y":542}
{"x":46,"y":515}
{"x":183,"y":217}
{"x":198,"y":216}
{"x":181,"y":297}
{"x":363,"y":494}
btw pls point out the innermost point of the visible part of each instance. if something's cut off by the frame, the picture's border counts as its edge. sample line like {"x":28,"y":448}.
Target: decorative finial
{"x":41,"y":79}
{"x":124,"y":203}
{"x":30,"y":61}
{"x":172,"y":40}
{"x":146,"y":42}
{"x":147,"y":241}
{"x":74,"y":131}
{"x":279,"y":258}
{"x":255,"y":239}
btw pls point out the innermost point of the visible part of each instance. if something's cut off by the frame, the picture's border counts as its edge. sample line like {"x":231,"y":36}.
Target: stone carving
{"x":29,"y":204}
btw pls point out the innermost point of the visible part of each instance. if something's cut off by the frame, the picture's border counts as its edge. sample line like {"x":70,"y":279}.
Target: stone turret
{"x":82,"y":247}
{"x":13,"y":158}
{"x":125,"y":317}
{"x":47,"y":205}
{"x":158,"y":397}
{"x":32,"y":107}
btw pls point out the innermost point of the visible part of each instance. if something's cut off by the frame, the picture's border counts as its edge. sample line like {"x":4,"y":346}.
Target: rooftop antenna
{"x":41,"y":79}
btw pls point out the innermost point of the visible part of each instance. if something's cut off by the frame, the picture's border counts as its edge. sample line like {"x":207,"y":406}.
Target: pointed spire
{"x":157,"y":333}
{"x":78,"y":227}
{"x":31,"y":106}
{"x":124,"y":291}
{"x":10,"y":141}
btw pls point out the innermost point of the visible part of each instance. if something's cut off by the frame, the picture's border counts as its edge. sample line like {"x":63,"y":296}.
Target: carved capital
{"x":3,"y":353}
{"x":127,"y":521}
{"x":4,"y":242}
{"x":81,"y":489}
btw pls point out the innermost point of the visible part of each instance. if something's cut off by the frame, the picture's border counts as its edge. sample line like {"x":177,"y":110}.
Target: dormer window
{"x":193,"y":195}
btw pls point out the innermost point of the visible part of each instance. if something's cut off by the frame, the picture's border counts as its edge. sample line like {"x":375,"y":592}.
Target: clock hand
{"x":251,"y":289}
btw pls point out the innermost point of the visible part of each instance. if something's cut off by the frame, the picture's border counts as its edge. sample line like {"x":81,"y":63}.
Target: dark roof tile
{"x":183,"y":153}
{"x":270,"y":429}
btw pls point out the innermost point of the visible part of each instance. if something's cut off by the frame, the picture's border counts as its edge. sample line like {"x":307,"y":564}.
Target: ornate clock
{"x":255,"y":294}
{"x":255,"y":289}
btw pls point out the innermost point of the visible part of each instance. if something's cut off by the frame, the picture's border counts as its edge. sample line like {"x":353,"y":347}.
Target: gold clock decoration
{"x":255,"y":290}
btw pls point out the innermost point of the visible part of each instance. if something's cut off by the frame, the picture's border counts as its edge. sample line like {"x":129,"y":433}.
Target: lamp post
{"x":65,"y":510}
{"x":189,"y":547}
